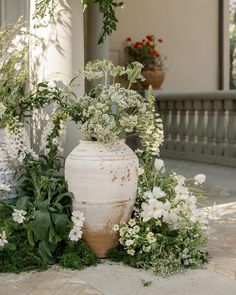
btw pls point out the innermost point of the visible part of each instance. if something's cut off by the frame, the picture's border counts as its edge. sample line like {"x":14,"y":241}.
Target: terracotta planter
{"x":103,"y":178}
{"x":154,"y":76}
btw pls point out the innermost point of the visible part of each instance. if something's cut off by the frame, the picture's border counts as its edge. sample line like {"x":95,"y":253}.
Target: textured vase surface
{"x":103,"y":179}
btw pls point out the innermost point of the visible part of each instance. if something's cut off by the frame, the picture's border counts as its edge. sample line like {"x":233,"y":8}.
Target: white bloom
{"x":199,"y":179}
{"x":78,"y":218}
{"x":182,"y":192}
{"x":55,"y":141}
{"x":116,"y":227}
{"x":132,"y":222}
{"x":131,"y":231}
{"x":131,"y":252}
{"x":159,"y":165}
{"x":136,"y":229}
{"x":129,"y":242}
{"x":140,"y":171}
{"x":180,"y":179}
{"x":4,"y":188}
{"x":2,"y":109}
{"x":150,"y":238}
{"x":146,"y":249}
{"x":75,"y":234}
{"x":122,"y":231}
{"x":158,"y":192}
{"x":19,"y":215}
{"x":17,"y":66}
{"x":3,"y":239}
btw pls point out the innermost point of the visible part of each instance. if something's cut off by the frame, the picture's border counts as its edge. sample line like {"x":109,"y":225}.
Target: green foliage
{"x":17,"y":255}
{"x":45,"y":198}
{"x":77,"y":255}
{"x":106,"y":7}
{"x":167,"y":256}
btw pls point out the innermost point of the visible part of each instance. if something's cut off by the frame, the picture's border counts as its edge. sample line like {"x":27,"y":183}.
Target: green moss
{"x":77,"y":255}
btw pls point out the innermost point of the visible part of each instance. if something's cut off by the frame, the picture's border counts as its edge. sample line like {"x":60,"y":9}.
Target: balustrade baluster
{"x":201,"y":126}
{"x":230,"y":150}
{"x":209,"y":147}
{"x":180,"y":145}
{"x":191,"y":126}
{"x":174,"y":125}
{"x":220,"y":128}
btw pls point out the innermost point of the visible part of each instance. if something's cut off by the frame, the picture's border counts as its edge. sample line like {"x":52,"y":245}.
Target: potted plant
{"x":153,"y":61}
{"x":102,"y":171}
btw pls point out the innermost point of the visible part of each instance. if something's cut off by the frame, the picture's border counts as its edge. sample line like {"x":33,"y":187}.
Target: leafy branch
{"x":106,"y":7}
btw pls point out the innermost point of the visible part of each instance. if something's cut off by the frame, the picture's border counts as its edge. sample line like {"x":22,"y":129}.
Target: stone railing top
{"x":213,"y":95}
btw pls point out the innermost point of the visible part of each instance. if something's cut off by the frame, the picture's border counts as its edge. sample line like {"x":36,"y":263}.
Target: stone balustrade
{"x":199,"y":126}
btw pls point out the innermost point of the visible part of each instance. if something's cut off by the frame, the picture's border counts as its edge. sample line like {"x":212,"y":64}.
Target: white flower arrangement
{"x":111,"y":112}
{"x":164,"y":218}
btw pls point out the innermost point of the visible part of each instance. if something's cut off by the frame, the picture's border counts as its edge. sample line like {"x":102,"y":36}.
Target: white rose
{"x":129,"y":242}
{"x":131,"y":252}
{"x":199,"y":179}
{"x":140,"y":171}
{"x":116,"y":227}
{"x":159,"y":165}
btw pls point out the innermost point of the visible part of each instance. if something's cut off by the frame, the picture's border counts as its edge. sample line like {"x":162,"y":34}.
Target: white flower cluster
{"x":18,"y":144}
{"x":57,"y":140}
{"x":2,"y":109}
{"x":108,"y":116}
{"x":78,"y":222}
{"x":175,"y":209}
{"x":3,"y":239}
{"x":19,"y":215}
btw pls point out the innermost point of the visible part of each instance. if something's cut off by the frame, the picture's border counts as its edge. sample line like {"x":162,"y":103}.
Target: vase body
{"x":7,"y":169}
{"x":103,"y":179}
{"x":154,"y":76}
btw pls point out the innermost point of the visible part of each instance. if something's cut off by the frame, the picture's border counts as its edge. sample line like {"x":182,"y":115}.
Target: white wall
{"x":190,"y":32}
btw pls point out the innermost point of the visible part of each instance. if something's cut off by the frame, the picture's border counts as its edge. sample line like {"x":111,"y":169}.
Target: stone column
{"x":94,"y":28}
{"x":61,"y":53}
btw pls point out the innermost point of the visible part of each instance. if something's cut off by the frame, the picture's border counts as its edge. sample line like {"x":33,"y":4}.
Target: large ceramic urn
{"x":103,"y":179}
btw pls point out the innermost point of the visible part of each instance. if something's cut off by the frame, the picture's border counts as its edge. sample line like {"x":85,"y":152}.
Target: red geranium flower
{"x":148,"y":43}
{"x":160,"y":40}
{"x":128,"y":39}
{"x":157,"y":54}
{"x":149,"y":37}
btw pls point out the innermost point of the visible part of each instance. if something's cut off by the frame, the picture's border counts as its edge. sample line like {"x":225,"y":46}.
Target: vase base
{"x":100,"y":243}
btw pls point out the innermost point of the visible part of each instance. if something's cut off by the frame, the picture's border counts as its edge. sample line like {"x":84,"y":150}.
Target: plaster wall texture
{"x":190,"y":32}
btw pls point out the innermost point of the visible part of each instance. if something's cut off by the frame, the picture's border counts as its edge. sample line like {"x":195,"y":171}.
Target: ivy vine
{"x":106,"y":7}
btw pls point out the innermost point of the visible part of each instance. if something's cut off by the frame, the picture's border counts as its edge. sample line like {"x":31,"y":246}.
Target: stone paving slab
{"x":55,"y":281}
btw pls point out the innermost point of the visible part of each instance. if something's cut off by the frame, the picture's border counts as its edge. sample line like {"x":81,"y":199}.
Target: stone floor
{"x":217,"y":278}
